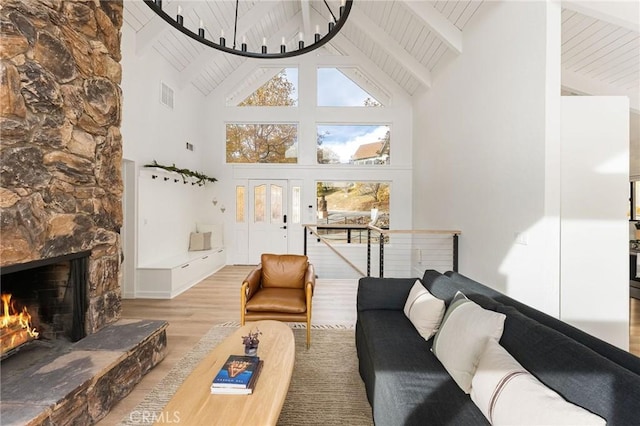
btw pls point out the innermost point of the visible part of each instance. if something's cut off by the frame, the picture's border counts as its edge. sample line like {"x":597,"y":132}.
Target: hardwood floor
{"x":213,"y":301}
{"x":217,"y":300}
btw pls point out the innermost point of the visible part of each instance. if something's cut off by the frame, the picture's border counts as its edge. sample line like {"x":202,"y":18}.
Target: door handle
{"x":283,"y":227}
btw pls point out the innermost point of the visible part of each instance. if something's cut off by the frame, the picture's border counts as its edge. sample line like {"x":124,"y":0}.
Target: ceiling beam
{"x":245,"y":23}
{"x":588,"y":86}
{"x":389,"y":45}
{"x":441,"y":26}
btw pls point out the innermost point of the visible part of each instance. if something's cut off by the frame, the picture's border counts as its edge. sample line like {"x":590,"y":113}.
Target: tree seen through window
{"x":265,"y":142}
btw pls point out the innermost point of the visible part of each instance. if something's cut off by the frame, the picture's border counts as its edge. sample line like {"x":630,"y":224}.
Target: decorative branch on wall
{"x":187,"y":175}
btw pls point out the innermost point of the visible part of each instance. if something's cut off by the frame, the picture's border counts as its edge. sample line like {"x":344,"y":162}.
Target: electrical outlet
{"x":521,"y":238}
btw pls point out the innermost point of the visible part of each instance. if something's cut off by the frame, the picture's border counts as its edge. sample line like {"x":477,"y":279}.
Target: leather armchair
{"x":281,"y":289}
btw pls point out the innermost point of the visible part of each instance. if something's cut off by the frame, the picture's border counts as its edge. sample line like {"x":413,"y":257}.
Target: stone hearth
{"x":80,"y":383}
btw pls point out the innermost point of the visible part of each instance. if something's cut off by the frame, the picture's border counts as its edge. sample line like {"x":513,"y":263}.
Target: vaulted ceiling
{"x":407,"y":40}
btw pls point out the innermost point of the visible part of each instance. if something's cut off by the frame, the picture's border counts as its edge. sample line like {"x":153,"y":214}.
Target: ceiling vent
{"x":166,"y":95}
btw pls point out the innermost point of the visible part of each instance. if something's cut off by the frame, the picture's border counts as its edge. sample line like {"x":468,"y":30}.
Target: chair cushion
{"x":283,"y":270}
{"x":290,"y":300}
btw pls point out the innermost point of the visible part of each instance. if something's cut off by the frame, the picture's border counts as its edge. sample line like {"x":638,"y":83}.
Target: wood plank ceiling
{"x":407,"y":40}
{"x":600,"y":52}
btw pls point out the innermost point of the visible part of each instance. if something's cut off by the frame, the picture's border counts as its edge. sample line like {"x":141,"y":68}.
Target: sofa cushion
{"x":577,"y":373}
{"x":464,"y":331}
{"x":283,"y":270}
{"x":424,"y":310}
{"x":508,"y":394}
{"x":617,"y":355}
{"x":383,"y":293}
{"x":405,"y":382}
{"x":440,"y":285}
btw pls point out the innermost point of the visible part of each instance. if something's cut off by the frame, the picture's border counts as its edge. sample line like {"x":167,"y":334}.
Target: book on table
{"x":238,"y":375}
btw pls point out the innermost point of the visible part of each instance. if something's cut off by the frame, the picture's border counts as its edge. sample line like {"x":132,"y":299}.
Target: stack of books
{"x":238,"y":375}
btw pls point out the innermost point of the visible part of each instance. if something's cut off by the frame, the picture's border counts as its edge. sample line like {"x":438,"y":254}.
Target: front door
{"x":267,"y":218}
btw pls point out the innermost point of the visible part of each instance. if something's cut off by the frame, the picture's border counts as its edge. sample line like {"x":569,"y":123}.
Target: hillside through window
{"x":352,"y":203}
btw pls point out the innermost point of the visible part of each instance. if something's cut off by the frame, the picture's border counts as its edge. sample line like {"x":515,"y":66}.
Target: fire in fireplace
{"x":44,"y":299}
{"x":15,"y":326}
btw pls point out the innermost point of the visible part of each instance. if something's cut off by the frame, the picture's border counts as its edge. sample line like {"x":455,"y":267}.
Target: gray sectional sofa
{"x":407,"y":385}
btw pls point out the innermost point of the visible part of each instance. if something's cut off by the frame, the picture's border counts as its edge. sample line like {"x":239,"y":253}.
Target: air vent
{"x":166,"y":95}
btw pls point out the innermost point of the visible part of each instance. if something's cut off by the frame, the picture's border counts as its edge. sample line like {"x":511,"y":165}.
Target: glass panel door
{"x":268,"y":227}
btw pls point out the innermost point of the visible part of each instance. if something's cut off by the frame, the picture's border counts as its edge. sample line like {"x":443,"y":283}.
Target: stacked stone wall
{"x":61,"y":147}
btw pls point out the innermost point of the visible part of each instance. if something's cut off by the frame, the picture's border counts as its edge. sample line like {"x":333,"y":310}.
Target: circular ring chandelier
{"x":334,"y":26}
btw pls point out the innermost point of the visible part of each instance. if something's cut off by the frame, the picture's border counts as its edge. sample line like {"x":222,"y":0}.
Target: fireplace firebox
{"x":43,"y":300}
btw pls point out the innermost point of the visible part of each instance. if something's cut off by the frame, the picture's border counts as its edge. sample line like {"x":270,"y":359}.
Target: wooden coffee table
{"x":193,"y":403}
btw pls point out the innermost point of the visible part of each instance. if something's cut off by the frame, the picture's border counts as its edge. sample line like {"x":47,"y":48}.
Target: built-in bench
{"x":169,"y":277}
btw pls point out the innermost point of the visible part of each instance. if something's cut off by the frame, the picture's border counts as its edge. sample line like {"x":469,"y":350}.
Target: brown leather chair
{"x":280,"y":289}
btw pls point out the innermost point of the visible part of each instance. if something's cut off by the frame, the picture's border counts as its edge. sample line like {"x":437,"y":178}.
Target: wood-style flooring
{"x":213,"y":301}
{"x":217,"y":300}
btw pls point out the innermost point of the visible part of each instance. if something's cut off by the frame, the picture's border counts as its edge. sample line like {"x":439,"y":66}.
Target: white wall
{"x":594,"y":227}
{"x":538,"y":187}
{"x":166,"y":211}
{"x":482,"y":134}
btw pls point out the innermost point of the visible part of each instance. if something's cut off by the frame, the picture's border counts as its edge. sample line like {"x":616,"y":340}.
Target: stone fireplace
{"x":60,"y":197}
{"x":60,"y":161}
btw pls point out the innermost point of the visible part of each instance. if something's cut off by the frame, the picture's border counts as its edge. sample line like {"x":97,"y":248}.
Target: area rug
{"x":325,"y":388}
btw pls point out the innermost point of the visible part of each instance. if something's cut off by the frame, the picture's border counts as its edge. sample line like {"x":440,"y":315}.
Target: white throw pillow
{"x":463,"y":334}
{"x":424,"y":310}
{"x":507,"y":394}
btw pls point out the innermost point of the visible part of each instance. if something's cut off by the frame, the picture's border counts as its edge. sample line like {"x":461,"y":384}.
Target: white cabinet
{"x":170,"y":277}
